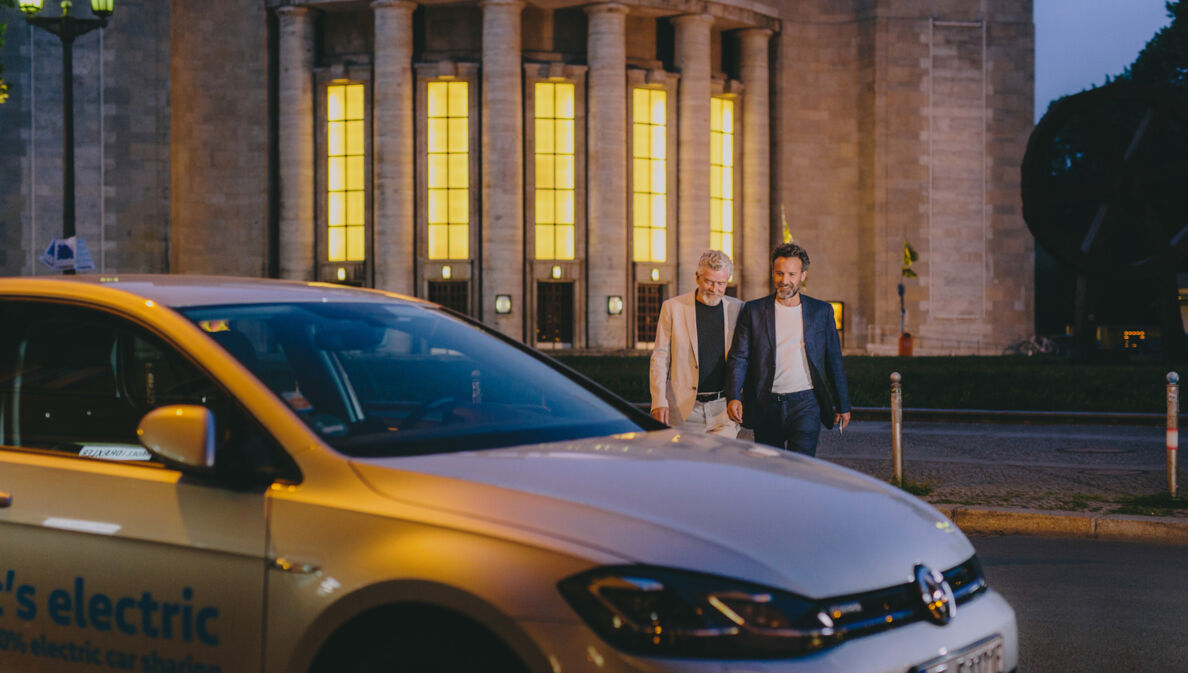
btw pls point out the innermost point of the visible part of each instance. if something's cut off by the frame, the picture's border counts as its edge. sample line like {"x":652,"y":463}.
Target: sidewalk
{"x":1016,"y":478}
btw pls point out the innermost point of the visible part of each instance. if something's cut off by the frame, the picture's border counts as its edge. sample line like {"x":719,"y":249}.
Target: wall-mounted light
{"x":839,"y":315}
{"x":655,"y":275}
{"x":556,"y":272}
{"x":341,"y":273}
{"x":447,"y":272}
{"x":614,"y":305}
{"x":502,"y":304}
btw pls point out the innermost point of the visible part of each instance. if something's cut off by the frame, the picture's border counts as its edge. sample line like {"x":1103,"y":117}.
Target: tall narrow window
{"x":554,"y":170}
{"x":449,"y":170}
{"x":722,"y":175}
{"x":346,"y":178}
{"x":650,"y":186}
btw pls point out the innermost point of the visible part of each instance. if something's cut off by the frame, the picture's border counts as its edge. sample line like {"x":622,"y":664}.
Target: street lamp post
{"x":67,"y":27}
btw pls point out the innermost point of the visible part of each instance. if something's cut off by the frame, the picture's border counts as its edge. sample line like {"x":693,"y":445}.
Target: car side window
{"x":78,"y":380}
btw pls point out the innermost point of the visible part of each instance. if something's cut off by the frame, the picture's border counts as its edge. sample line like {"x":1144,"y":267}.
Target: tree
{"x":1102,"y":182}
{"x":1165,"y":58}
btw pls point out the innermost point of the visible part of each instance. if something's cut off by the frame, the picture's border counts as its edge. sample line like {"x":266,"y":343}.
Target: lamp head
{"x":102,"y":8}
{"x":29,"y":7}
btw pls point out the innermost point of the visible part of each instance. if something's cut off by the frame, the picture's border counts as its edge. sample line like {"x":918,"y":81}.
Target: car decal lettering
{"x":145,"y":616}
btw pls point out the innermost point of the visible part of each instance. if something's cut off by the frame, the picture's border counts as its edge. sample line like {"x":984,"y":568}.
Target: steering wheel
{"x":419,"y":414}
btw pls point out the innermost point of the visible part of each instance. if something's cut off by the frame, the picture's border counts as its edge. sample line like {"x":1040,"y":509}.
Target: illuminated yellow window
{"x":650,"y":182}
{"x":346,"y":181}
{"x":722,"y":175}
{"x":449,"y":170}
{"x":554,"y":170}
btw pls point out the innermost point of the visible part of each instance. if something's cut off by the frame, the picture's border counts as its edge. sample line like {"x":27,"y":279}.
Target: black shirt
{"x":711,"y":347}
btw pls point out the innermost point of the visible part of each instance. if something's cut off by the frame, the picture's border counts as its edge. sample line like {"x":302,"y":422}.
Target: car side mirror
{"x":182,"y":435}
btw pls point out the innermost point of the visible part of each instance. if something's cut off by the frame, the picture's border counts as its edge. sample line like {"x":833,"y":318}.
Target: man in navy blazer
{"x":785,"y":345}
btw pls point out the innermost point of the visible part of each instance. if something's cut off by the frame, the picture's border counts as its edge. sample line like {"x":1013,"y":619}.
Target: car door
{"x":109,"y":558}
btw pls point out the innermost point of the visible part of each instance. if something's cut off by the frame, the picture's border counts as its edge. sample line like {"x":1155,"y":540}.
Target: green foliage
{"x":917,"y":489}
{"x":1039,"y":383}
{"x":1165,"y":58}
{"x":626,"y":375}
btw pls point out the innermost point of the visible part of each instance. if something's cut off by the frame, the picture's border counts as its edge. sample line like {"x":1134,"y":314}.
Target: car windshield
{"x":390,"y":379}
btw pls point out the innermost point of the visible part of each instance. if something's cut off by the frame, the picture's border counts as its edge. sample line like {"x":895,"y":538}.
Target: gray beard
{"x":708,"y":300}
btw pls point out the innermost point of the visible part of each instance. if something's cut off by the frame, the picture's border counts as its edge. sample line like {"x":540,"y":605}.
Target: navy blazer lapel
{"x":807,"y":317}
{"x":769,"y":328}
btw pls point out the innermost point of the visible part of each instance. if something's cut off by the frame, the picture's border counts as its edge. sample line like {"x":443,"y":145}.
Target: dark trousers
{"x":791,"y":421}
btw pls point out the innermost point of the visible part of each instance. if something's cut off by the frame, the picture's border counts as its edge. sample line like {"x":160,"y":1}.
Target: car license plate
{"x":983,"y":657}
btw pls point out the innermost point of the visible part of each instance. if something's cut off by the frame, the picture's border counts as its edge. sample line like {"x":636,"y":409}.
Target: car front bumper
{"x":573,"y":648}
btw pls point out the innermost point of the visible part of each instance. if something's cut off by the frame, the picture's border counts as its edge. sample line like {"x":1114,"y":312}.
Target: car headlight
{"x":662,"y":612}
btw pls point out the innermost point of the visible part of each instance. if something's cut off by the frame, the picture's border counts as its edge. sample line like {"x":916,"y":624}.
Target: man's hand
{"x":843,"y":419}
{"x":734,"y":410}
{"x":661,"y":414}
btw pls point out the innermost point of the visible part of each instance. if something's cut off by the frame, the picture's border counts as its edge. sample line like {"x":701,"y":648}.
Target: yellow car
{"x":202,"y":475}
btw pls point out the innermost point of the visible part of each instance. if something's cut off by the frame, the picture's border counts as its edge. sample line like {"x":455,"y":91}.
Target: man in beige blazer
{"x":688,"y":369}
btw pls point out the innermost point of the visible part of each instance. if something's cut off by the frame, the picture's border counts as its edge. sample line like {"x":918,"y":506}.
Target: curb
{"x":991,"y":521}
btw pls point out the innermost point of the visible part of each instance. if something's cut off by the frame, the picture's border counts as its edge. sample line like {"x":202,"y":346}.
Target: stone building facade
{"x":551,"y":168}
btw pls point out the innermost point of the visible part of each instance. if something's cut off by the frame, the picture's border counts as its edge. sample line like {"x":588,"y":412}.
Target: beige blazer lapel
{"x":730,"y":311}
{"x":690,"y":318}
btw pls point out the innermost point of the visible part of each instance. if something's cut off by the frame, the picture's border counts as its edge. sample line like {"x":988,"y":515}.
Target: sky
{"x":1079,"y":42}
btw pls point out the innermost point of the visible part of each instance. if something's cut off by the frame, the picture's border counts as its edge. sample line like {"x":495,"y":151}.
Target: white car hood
{"x":691,"y":501}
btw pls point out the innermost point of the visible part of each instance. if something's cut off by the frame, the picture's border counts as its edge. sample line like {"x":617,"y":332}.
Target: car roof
{"x":179,"y":291}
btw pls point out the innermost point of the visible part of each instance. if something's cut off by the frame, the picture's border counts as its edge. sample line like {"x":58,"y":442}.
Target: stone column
{"x":295,"y":140}
{"x":606,"y":159}
{"x":502,"y":224}
{"x":753,"y":263}
{"x":393,"y":218}
{"x":693,"y":142}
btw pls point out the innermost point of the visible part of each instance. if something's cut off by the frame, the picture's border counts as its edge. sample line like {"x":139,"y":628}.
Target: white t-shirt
{"x":791,"y":362}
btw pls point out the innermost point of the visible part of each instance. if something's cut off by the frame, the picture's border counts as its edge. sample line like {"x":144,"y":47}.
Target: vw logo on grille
{"x":936,"y":594}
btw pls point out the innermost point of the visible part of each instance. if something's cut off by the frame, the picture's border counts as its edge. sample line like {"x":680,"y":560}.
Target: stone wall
{"x":121,"y":142}
{"x":220,"y":143}
{"x":137,"y":168}
{"x":14,"y":147}
{"x":1011,"y":95}
{"x":900,"y":121}
{"x":816,"y":150}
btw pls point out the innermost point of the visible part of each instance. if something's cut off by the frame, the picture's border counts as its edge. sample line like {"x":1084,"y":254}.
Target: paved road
{"x":1072,"y":446}
{"x":1089,"y":606}
{"x":1059,"y":467}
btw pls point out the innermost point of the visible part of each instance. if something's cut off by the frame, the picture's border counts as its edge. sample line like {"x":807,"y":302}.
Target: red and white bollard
{"x":897,"y":428}
{"x":1173,"y":432}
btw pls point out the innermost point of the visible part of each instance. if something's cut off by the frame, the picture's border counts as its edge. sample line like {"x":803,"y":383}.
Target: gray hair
{"x":715,"y":260}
